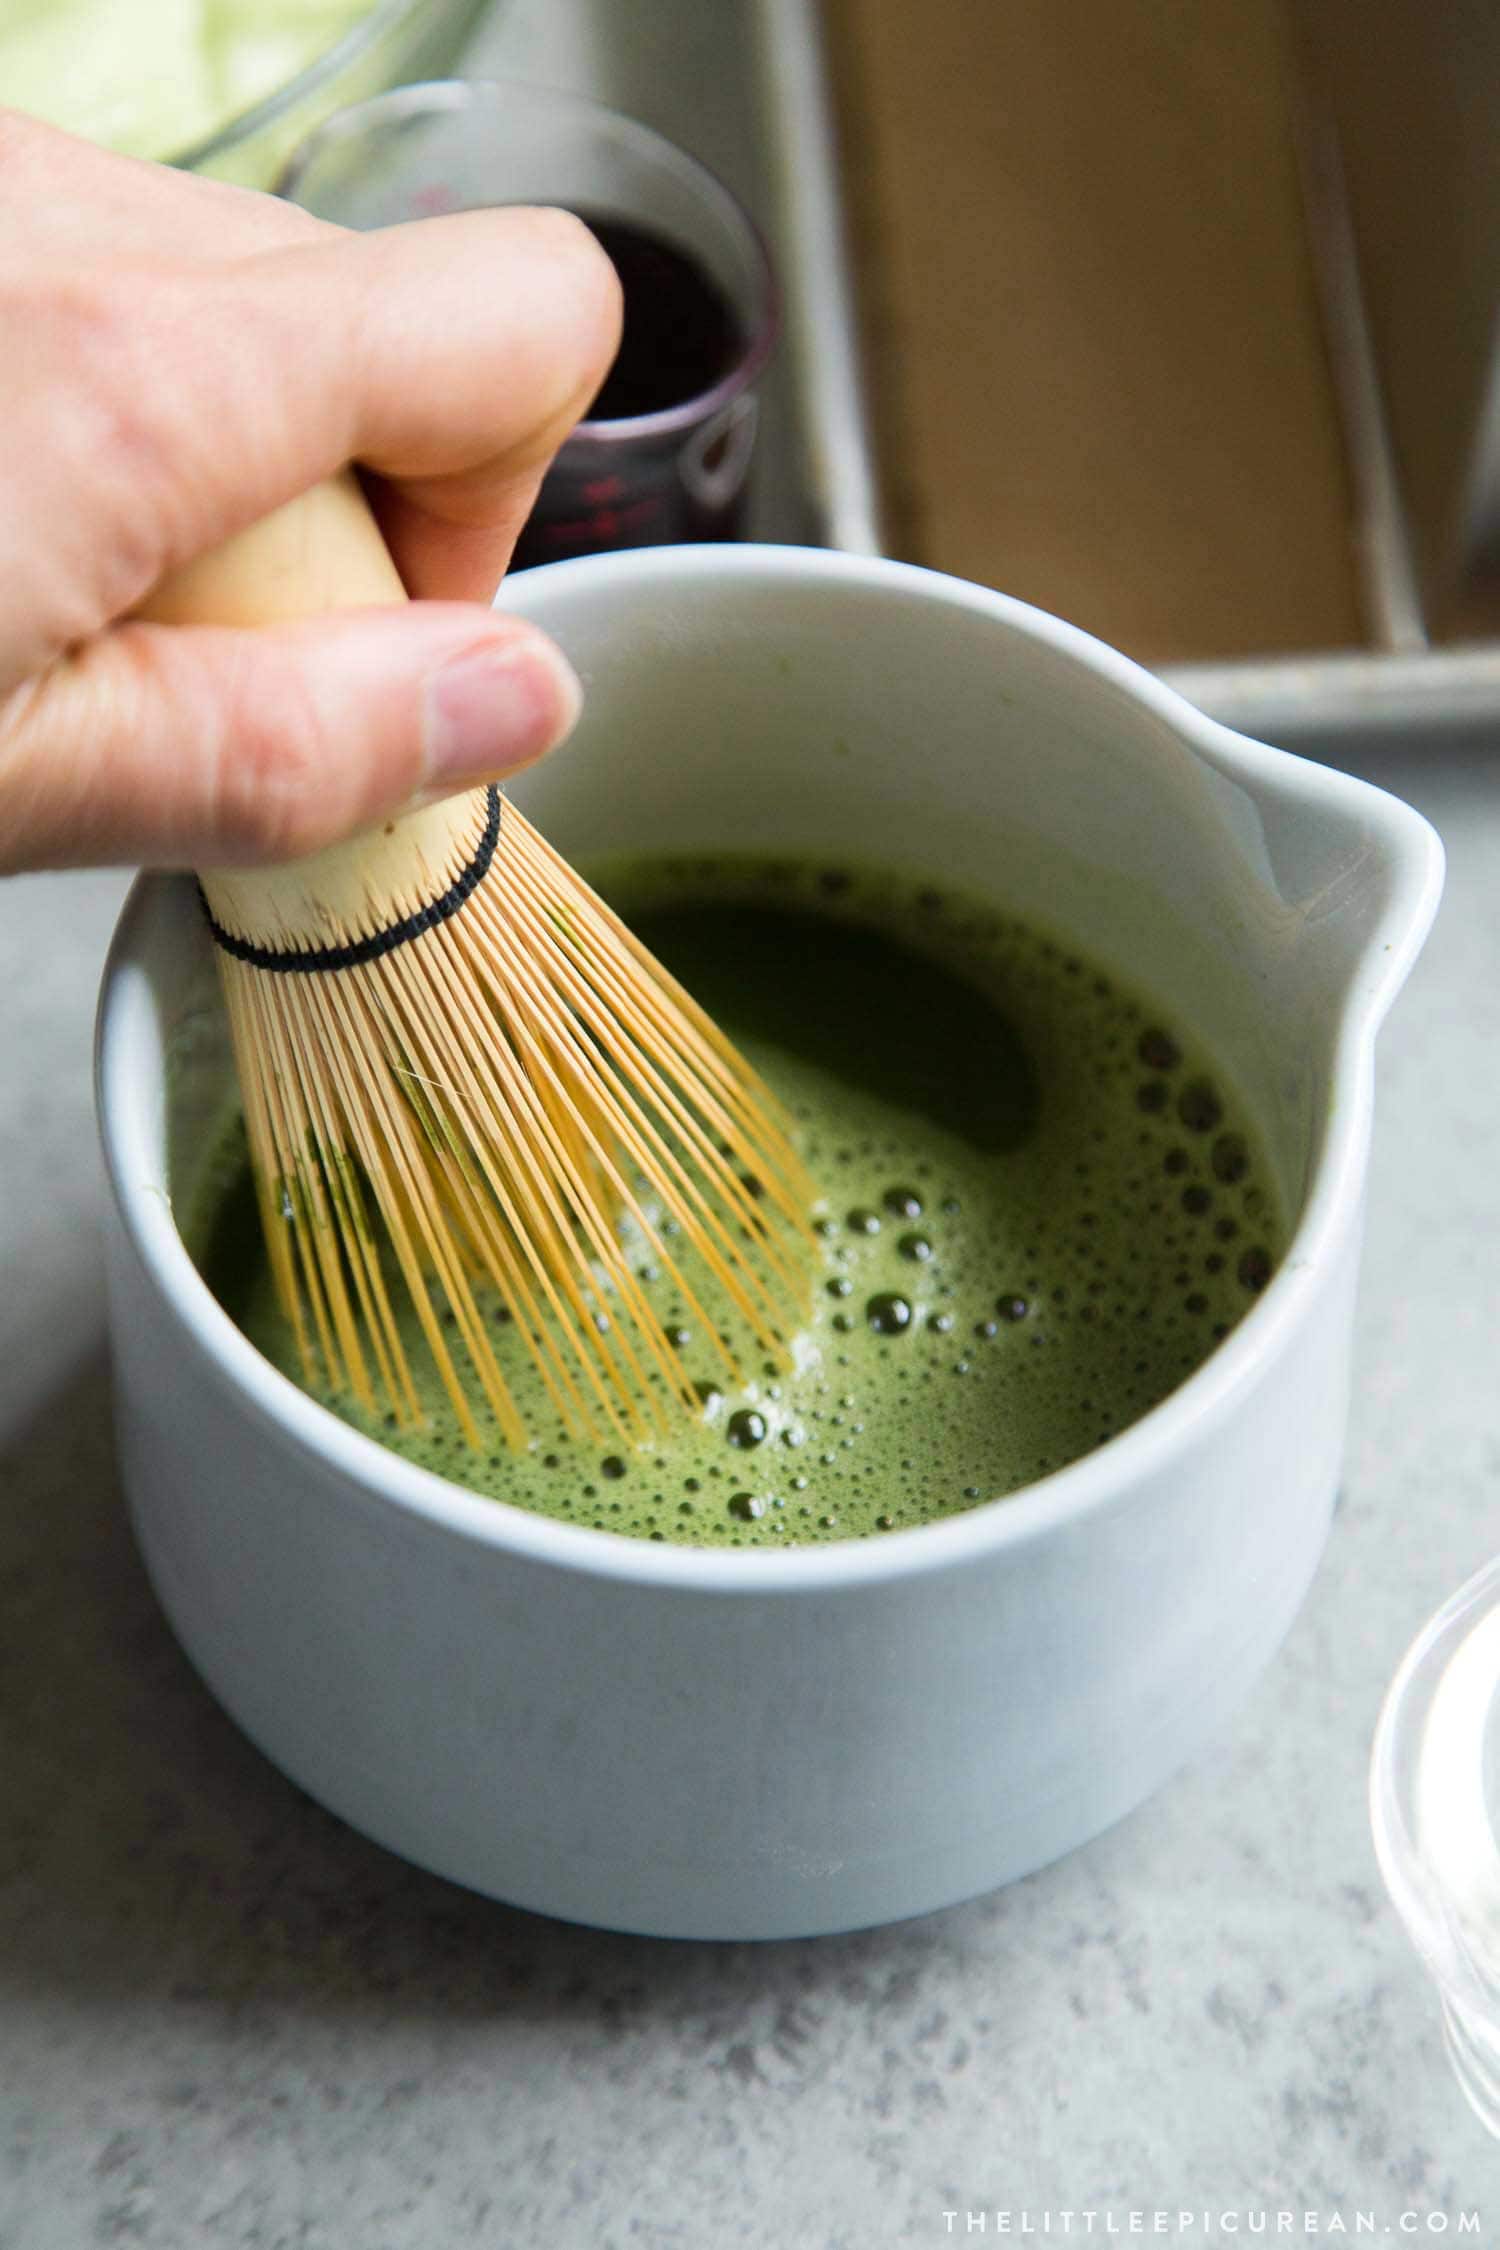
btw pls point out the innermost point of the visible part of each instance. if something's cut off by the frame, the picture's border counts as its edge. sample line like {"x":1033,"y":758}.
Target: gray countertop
{"x":226,"y":2019}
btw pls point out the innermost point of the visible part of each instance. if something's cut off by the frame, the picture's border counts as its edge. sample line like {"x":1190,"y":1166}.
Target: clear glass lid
{"x":1435,"y":1811}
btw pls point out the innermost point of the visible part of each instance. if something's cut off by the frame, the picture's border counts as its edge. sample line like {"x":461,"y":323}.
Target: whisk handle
{"x":321,"y":551}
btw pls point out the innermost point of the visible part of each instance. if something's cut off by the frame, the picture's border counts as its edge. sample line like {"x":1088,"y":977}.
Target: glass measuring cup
{"x":1435,"y":1812}
{"x":678,"y":470}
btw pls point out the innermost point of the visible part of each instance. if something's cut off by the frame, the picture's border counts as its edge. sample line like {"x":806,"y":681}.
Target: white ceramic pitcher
{"x":754,"y":1744}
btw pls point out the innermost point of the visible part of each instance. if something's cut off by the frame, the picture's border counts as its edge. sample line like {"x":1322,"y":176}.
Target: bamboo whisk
{"x":460,"y":1071}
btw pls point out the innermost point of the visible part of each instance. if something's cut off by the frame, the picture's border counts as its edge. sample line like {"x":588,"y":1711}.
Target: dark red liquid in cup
{"x":681,"y":337}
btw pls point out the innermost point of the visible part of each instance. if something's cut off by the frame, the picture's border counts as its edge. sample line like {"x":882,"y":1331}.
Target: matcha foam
{"x":1044,"y":1208}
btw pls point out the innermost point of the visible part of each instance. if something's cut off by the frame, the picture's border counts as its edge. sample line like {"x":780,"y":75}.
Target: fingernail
{"x":495,"y":709}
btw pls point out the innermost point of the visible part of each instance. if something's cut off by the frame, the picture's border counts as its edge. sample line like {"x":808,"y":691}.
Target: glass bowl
{"x":392,"y":43}
{"x":1435,"y":1812}
{"x":105,"y":59}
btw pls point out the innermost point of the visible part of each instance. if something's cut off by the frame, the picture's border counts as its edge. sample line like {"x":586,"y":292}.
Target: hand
{"x":181,"y":357}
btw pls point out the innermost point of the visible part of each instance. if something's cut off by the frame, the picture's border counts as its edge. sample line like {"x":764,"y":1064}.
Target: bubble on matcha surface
{"x":1069,"y":1243}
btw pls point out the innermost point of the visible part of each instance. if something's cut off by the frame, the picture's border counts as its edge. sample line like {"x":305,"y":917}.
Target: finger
{"x":527,"y":308}
{"x":182,"y":402}
{"x":199,"y":746}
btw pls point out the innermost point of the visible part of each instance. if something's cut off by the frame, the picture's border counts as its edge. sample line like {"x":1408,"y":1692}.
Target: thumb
{"x":198,"y":746}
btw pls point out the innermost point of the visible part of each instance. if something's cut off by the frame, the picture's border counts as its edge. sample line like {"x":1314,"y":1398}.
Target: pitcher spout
{"x":1357,"y":872}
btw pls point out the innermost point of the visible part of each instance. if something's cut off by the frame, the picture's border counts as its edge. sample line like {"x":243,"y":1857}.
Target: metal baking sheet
{"x":1335,"y":705}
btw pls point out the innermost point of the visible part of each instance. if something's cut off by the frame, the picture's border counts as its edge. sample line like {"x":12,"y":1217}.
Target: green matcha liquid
{"x":1043,"y":1210}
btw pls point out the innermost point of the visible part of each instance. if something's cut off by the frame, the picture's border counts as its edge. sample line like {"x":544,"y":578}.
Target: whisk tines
{"x":506,"y":1112}
{"x":466,"y":1085}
